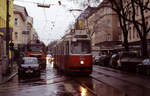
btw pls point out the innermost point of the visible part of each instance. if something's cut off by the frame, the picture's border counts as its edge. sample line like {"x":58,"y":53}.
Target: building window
{"x":147,"y":23}
{"x":108,"y":37}
{"x":133,"y":32}
{"x":146,"y":10}
{"x":137,"y":10}
{"x":119,"y":36}
{"x":118,"y":24}
{"x":130,"y":15}
{"x":108,"y":11}
{"x":136,"y":33}
{"x":16,"y":21}
{"x":16,"y":35}
{"x":130,"y":37}
{"x":108,"y":22}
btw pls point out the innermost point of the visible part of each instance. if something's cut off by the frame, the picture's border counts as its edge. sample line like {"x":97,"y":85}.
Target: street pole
{"x":7,"y":30}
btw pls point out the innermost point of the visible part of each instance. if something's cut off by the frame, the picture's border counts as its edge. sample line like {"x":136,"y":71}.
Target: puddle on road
{"x":99,"y":88}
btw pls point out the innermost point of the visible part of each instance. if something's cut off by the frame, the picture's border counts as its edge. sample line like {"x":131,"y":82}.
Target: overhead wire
{"x":44,"y":11}
{"x":45,"y":15}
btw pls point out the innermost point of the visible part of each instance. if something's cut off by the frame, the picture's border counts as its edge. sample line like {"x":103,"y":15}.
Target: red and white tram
{"x":73,"y":54}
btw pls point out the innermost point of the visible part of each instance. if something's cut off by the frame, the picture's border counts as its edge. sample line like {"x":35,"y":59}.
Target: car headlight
{"x":82,"y":62}
{"x":52,"y":59}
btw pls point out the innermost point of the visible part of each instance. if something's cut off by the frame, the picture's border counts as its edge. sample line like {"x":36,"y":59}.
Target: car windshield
{"x":30,"y":61}
{"x":146,"y":61}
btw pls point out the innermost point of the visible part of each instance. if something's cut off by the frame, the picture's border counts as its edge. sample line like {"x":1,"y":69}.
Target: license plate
{"x":29,"y":71}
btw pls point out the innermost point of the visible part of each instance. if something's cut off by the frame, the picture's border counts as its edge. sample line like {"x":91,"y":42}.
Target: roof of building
{"x":86,"y":12}
{"x":21,"y":10}
{"x":104,"y":3}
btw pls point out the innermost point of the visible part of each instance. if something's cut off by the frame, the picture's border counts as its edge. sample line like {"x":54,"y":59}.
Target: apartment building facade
{"x":105,"y":29}
{"x":20,"y":17}
{"x":91,"y":23}
{"x":5,"y":57}
{"x":133,"y":36}
{"x":23,"y":27}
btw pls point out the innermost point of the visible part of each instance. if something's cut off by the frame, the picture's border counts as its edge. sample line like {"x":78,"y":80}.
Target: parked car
{"x":29,"y":67}
{"x":113,"y":60}
{"x":144,"y":67}
{"x":128,"y":61}
{"x":96,"y":60}
{"x":104,"y":60}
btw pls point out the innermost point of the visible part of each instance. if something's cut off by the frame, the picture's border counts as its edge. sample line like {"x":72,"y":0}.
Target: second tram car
{"x":73,"y":54}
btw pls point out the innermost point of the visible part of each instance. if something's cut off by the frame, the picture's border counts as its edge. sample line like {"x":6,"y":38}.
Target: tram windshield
{"x":81,"y":47}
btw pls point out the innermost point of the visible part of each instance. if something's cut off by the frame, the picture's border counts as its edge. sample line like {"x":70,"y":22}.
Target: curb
{"x":9,"y":78}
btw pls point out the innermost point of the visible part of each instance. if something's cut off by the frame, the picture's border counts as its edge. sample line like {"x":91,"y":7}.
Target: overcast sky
{"x":50,"y":23}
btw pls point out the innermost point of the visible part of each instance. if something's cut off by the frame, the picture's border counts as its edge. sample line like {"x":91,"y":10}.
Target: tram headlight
{"x":82,"y":62}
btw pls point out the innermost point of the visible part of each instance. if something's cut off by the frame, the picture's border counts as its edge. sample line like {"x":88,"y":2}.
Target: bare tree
{"x":123,"y":12}
{"x":141,"y":26}
{"x":127,"y":11}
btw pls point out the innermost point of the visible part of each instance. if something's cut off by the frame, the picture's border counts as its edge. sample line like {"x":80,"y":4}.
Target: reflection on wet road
{"x":51,"y":83}
{"x":55,"y":83}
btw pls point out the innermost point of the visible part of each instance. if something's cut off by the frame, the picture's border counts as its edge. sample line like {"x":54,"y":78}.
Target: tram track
{"x":127,"y":87}
{"x":119,"y":79}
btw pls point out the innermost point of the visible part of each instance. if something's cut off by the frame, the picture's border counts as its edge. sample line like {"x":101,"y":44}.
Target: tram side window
{"x":67,"y":47}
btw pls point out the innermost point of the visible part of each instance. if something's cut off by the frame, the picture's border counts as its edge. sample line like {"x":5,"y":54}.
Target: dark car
{"x":96,"y":60}
{"x":144,"y":67}
{"x":113,"y":60}
{"x":128,"y":61}
{"x":29,"y":67}
{"x":104,"y":60}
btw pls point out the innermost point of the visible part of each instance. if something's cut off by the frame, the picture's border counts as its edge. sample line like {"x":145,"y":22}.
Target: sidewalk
{"x":11,"y":75}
